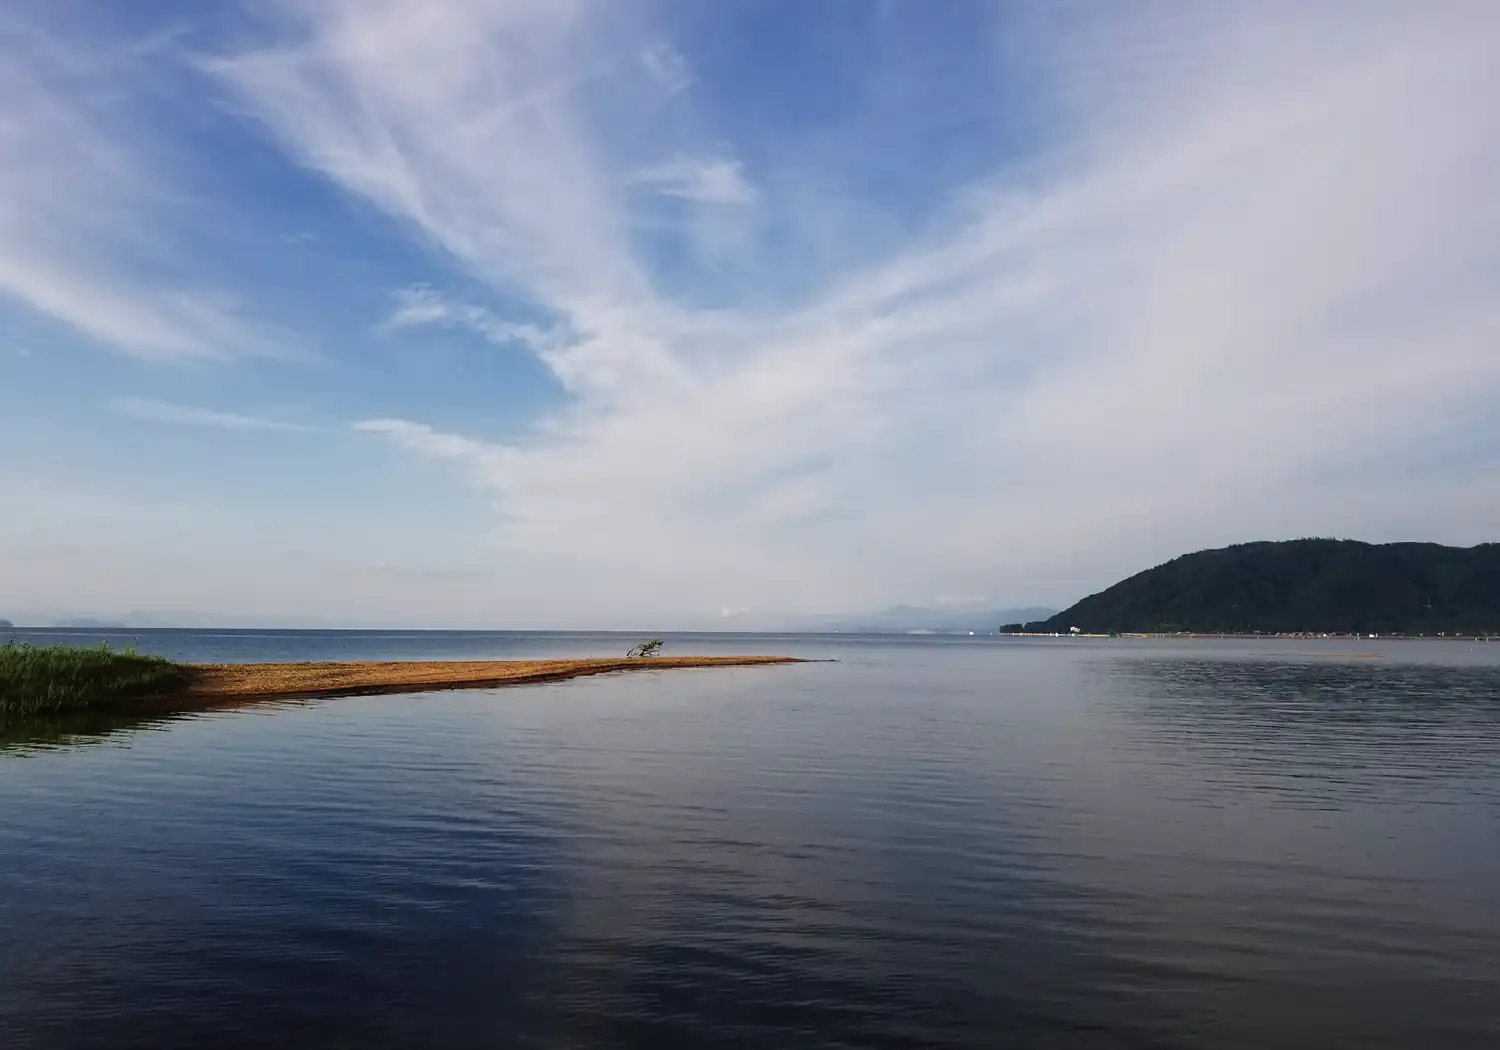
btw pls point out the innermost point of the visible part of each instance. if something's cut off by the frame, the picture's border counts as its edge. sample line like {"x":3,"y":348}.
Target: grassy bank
{"x":48,"y":680}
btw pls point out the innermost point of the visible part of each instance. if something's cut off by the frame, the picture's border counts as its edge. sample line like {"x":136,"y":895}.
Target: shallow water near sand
{"x":930,"y":842}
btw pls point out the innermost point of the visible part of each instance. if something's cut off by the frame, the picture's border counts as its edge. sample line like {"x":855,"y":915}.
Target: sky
{"x":557,"y":313}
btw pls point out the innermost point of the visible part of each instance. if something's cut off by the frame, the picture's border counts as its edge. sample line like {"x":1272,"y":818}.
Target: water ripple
{"x":940,"y":846}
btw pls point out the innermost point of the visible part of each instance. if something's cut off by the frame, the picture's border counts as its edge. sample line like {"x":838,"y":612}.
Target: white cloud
{"x":421,"y":438}
{"x":152,"y":410}
{"x":83,"y":207}
{"x":421,"y":305}
{"x":706,"y":180}
{"x":453,"y":117}
{"x":667,"y":68}
{"x":1265,"y":264}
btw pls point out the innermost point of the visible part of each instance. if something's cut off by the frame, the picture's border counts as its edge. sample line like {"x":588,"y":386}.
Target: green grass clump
{"x":51,"y":679}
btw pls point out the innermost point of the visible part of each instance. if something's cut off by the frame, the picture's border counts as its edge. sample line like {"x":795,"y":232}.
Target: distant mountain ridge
{"x":1307,"y":585}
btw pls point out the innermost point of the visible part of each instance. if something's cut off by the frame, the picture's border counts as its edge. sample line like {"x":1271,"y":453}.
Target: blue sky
{"x":549,"y":313}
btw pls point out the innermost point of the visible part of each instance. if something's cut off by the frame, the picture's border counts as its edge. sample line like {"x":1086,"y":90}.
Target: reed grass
{"x":55,"y":679}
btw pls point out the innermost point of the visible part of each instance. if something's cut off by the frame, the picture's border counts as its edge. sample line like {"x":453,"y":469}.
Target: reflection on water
{"x":951,"y":845}
{"x":20,"y":733}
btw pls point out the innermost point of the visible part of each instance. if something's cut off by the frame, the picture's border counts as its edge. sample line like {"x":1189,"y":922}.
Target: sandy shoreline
{"x":214,"y":684}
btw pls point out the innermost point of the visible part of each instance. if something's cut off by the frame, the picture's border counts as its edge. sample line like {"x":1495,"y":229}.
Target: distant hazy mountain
{"x":902,"y":618}
{"x":90,"y":623}
{"x":6,"y":625}
{"x":1304,"y":585}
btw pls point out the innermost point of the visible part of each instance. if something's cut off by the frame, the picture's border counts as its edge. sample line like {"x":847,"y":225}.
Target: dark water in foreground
{"x":965,"y":843}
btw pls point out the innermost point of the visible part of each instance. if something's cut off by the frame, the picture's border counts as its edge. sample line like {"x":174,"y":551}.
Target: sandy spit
{"x":214,"y":684}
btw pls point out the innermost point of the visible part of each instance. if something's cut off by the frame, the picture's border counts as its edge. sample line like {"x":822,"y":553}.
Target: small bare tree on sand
{"x":651,"y":648}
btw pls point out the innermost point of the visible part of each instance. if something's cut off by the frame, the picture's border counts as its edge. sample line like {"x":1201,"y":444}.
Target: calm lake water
{"x":928,"y":843}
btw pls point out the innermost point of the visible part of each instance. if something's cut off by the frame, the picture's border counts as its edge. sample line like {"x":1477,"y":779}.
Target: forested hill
{"x":1303,"y":585}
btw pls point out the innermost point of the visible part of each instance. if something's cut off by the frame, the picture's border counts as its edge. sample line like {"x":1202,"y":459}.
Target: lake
{"x":928,"y":842}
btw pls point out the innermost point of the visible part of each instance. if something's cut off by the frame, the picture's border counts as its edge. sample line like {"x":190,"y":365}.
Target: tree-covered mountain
{"x":1308,"y":585}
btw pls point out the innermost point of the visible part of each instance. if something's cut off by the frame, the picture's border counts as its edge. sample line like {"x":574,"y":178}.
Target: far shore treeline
{"x":1309,"y":586}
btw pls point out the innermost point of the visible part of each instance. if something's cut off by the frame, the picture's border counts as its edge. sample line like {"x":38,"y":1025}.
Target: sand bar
{"x":211,"y":684}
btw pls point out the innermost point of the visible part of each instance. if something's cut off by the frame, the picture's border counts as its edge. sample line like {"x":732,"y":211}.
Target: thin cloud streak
{"x":706,"y":180}
{"x":151,"y":410}
{"x":421,"y":438}
{"x":420,"y":306}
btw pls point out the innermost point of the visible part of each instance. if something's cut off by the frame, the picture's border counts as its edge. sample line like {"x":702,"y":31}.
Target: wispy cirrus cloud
{"x":1191,"y":318}
{"x":706,"y":180}
{"x":456,"y":119}
{"x":667,"y":67}
{"x":88,"y":212}
{"x":152,"y":410}
{"x":424,"y":439}
{"x":422,"y":305}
